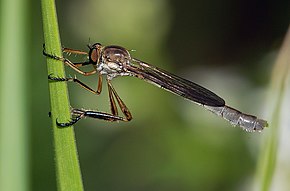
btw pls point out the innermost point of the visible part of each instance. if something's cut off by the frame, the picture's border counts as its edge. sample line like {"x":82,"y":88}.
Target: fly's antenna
{"x":89,"y":43}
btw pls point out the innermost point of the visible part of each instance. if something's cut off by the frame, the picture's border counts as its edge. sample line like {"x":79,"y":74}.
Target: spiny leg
{"x":73,"y":51}
{"x":74,"y":66}
{"x":122,"y":105}
{"x":113,"y":105}
{"x":83,"y":85}
{"x":81,"y":113}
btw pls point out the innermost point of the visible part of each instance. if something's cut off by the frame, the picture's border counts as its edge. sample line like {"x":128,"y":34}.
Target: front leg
{"x":74,"y":66}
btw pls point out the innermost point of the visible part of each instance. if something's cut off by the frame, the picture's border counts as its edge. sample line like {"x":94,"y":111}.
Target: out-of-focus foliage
{"x":273,"y":169}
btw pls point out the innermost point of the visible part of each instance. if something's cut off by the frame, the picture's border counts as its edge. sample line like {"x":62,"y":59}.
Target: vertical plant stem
{"x":66,"y":159}
{"x":14,"y":129}
{"x":277,"y":104}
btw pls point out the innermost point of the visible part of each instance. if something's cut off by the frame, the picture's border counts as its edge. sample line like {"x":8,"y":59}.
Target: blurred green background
{"x":171,"y":144}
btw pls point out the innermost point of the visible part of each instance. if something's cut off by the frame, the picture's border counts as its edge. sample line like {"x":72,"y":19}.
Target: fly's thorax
{"x":113,"y":61}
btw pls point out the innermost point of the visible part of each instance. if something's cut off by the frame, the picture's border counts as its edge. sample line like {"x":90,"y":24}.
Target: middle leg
{"x":83,"y":85}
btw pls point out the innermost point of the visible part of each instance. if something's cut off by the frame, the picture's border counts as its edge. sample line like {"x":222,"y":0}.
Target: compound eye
{"x":95,"y":51}
{"x":94,"y":56}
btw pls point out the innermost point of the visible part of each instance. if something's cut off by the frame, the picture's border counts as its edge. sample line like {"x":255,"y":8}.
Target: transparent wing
{"x":174,"y":84}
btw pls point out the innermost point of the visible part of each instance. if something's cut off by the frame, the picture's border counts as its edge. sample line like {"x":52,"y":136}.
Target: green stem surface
{"x":68,"y":172}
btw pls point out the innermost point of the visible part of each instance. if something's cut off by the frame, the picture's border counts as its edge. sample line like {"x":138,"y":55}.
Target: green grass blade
{"x":67,"y":165}
{"x":278,"y":104}
{"x":14,"y":129}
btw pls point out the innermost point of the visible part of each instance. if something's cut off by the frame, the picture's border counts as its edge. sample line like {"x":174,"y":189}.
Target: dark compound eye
{"x":94,"y":54}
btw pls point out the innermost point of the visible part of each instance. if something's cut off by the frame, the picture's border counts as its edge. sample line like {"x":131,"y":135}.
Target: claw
{"x":50,"y":76}
{"x":70,"y":123}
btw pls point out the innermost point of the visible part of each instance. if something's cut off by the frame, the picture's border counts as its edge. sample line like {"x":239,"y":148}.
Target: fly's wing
{"x":174,"y":84}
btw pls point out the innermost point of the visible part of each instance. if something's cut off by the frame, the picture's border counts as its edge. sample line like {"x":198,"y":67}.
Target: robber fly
{"x":113,"y":61}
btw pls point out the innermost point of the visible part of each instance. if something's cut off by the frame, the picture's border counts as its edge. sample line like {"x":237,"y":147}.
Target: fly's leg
{"x":82,"y":113}
{"x":83,"y":85}
{"x":123,"y":107}
{"x":114,"y":109}
{"x":73,"y":51}
{"x":79,"y":114}
{"x":74,"y":66}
